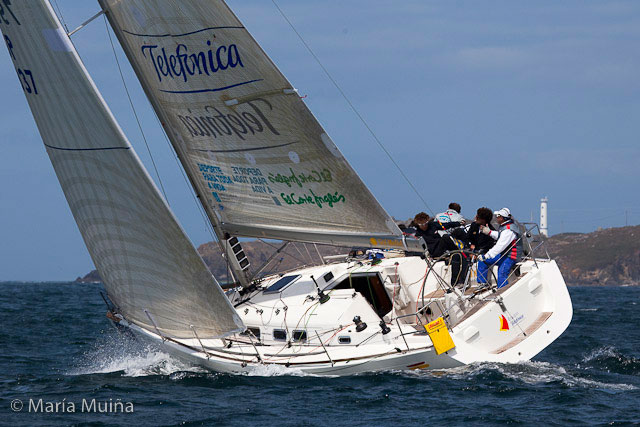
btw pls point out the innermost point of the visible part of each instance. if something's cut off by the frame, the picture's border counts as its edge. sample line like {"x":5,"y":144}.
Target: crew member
{"x":451,"y":215}
{"x":437,"y":245}
{"x":480,"y":242}
{"x":505,"y":252}
{"x":458,"y":232}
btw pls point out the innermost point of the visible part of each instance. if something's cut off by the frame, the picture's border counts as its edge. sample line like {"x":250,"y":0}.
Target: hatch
{"x":281,"y":284}
{"x":371,"y":287}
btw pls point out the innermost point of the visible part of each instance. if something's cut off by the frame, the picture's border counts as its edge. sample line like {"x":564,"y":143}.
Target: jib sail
{"x":150,"y":269}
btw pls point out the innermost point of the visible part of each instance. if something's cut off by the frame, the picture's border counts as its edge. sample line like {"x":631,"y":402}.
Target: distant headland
{"x":608,"y":257}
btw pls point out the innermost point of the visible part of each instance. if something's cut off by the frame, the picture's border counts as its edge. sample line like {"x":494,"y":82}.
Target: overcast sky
{"x":484,"y":103}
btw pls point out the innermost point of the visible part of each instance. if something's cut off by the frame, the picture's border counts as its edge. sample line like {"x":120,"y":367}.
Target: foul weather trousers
{"x":504,"y":267}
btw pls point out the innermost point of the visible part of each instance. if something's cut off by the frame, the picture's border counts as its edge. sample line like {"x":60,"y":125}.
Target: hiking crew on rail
{"x":505,"y":253}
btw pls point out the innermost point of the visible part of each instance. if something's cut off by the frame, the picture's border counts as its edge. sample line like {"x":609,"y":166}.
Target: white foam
{"x":607,"y":351}
{"x":275,"y":371}
{"x":532,"y":373}
{"x":152,"y":363}
{"x":133,"y":359}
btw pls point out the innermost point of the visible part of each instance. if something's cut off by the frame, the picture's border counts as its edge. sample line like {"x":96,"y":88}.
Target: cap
{"x":504,"y":213}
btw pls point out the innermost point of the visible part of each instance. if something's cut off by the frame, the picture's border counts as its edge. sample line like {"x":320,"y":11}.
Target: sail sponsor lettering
{"x":218,"y":181}
{"x":214,"y":177}
{"x":216,"y":124}
{"x":386,"y":242}
{"x":312,"y":199}
{"x":253,"y":177}
{"x":184,"y":64}
{"x":291,"y":177}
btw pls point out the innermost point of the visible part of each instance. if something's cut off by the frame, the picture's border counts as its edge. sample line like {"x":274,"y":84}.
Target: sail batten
{"x":146,"y":261}
{"x":256,"y":155}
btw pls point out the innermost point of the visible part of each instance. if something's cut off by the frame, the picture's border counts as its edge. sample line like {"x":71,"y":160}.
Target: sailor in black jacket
{"x":437,"y":245}
{"x":480,"y":242}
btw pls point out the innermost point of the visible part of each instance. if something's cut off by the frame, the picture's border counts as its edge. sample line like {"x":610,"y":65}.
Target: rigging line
{"x":355,"y":110}
{"x":295,"y":245}
{"x":286,"y":253}
{"x":135,"y":114}
{"x":306,"y":246}
{"x":200,"y":203}
{"x":61,"y":17}
{"x":206,"y":221}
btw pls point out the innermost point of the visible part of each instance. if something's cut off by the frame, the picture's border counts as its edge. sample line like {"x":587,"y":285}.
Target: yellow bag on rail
{"x":439,"y":334}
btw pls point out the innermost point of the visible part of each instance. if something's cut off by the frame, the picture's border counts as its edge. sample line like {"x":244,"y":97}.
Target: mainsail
{"x":260,"y":161}
{"x":150,"y":269}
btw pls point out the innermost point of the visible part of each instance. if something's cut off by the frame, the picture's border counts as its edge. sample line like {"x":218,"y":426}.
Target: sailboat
{"x":262,"y":167}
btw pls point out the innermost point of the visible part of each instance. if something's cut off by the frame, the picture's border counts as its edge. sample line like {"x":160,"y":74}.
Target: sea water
{"x":61,"y":362}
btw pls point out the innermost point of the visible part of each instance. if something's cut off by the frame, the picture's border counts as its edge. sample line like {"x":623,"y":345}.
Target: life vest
{"x":514,"y":250}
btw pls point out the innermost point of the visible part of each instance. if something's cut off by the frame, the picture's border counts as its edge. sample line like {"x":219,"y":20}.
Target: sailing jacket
{"x":507,"y":241}
{"x":431,"y":236}
{"x":481,"y":241}
{"x":448,"y":217}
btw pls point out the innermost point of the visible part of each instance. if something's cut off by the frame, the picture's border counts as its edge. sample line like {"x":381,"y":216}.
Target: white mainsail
{"x":150,"y":269}
{"x":258,"y":158}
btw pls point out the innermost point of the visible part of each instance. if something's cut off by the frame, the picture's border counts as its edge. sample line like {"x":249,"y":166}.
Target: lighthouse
{"x":543,"y":217}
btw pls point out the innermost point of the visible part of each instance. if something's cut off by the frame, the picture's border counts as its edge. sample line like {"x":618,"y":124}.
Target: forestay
{"x":149,"y":267}
{"x":258,"y":158}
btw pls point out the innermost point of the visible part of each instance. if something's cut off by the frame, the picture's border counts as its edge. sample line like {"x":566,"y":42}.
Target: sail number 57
{"x":27,"y":81}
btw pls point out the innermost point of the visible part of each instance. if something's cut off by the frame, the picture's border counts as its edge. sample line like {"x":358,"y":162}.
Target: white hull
{"x":537,"y":309}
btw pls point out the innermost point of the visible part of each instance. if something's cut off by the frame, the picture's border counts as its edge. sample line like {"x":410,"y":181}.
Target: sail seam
{"x":185,"y":34}
{"x":212,"y":90}
{"x":86,"y":149}
{"x":242,"y":150}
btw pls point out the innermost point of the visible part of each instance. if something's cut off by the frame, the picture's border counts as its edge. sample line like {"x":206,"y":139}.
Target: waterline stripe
{"x":242,"y":150}
{"x":211,"y":90}
{"x":185,"y":34}
{"x":86,"y":149}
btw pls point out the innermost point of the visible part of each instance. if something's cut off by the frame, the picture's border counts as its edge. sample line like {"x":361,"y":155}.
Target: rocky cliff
{"x":603,"y":258}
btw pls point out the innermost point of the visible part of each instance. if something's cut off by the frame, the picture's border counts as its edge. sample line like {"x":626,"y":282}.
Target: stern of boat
{"x":517,"y":322}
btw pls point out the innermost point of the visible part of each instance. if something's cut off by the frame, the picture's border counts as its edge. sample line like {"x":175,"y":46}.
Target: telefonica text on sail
{"x":185,"y":64}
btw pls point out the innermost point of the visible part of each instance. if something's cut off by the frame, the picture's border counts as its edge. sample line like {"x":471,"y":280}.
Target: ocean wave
{"x":611,"y":360}
{"x":529,"y":372}
{"x":119,"y":353}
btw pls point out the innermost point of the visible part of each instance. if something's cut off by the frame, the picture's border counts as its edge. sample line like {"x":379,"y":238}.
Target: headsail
{"x":260,"y":160}
{"x":149,"y":267}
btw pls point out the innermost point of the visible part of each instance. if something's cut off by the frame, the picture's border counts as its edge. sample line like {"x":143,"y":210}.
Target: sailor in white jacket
{"x":504,"y":253}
